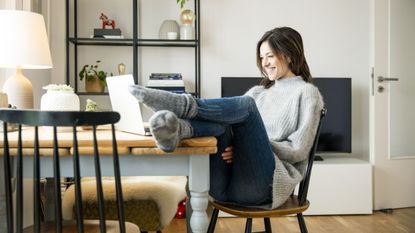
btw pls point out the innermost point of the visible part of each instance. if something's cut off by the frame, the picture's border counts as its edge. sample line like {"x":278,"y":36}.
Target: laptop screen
{"x":126,"y":104}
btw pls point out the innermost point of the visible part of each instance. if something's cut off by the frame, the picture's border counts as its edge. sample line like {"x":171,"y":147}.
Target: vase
{"x":54,"y":100}
{"x":168,"y":26}
{"x":94,"y":85}
{"x":186,"y":32}
{"x":186,"y":29}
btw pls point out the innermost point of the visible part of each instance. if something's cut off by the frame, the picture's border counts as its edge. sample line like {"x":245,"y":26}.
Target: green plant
{"x":181,"y":2}
{"x":91,"y":72}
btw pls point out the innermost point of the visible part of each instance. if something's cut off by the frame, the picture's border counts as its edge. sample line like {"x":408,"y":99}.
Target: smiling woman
{"x":274,"y":65}
{"x":263,"y":136}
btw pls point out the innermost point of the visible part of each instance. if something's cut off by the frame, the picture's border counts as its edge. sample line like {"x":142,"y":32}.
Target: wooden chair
{"x":15,"y":160}
{"x":296,"y":204}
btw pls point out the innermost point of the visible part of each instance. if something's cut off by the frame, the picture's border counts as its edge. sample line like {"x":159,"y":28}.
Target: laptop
{"x":123,"y":102}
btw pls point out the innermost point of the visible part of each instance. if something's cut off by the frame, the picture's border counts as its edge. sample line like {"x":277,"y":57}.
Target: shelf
{"x":101,"y":41}
{"x":168,"y":43}
{"x":74,"y":42}
{"x":130,"y":42}
{"x":92,"y":93}
{"x":106,"y":93}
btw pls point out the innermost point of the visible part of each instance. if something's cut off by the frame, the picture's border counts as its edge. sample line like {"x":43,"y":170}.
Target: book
{"x":98,"y":32}
{"x":164,"y":82}
{"x":113,"y":37}
{"x":163,"y":76}
{"x":108,"y":37}
{"x":178,"y":90}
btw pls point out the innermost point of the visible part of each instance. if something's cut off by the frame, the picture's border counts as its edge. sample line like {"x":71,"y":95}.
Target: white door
{"x":393,"y":103}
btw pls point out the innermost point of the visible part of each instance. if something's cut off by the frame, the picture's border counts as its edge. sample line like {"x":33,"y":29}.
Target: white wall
{"x":5,"y":73}
{"x":2,"y":72}
{"x":335,"y":34}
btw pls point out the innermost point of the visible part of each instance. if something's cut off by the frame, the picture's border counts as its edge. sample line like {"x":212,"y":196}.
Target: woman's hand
{"x":228,"y":154}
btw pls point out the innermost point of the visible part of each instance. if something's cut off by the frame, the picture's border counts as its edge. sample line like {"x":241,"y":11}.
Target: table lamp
{"x":23,"y":45}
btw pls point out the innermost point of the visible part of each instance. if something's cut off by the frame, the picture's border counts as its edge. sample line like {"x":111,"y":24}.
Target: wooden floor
{"x":399,"y":221}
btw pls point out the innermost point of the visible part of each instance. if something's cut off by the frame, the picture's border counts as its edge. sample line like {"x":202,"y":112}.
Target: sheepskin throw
{"x":166,"y":191}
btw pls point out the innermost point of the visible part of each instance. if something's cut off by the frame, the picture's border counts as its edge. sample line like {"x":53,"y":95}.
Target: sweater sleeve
{"x":254,"y":91}
{"x":296,"y":147}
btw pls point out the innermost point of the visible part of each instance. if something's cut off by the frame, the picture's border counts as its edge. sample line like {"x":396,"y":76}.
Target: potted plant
{"x":59,"y":97}
{"x":94,"y":78}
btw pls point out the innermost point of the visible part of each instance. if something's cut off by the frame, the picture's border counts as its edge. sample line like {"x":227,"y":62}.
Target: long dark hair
{"x":285,"y":41}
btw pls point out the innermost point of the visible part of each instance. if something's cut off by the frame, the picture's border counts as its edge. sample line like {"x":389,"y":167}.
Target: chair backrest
{"x":56,"y":119}
{"x":303,"y":188}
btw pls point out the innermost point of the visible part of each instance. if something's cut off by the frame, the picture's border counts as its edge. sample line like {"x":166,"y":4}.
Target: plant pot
{"x":94,"y":85}
{"x":59,"y":101}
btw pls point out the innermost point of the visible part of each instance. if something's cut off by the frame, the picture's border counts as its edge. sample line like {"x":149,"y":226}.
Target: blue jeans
{"x":236,"y":121}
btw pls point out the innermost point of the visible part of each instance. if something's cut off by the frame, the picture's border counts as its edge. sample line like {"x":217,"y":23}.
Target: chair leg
{"x":267,"y":224}
{"x":158,"y":231}
{"x":248,"y":226}
{"x":301,"y":222}
{"x":213,"y":220}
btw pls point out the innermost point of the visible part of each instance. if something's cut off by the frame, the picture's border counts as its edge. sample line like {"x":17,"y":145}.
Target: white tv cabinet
{"x":340,"y":185}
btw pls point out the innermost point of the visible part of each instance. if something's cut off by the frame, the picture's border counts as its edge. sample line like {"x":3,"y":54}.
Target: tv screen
{"x":336,"y":131}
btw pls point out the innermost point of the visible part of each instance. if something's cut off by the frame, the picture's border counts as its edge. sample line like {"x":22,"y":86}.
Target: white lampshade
{"x":23,"y":45}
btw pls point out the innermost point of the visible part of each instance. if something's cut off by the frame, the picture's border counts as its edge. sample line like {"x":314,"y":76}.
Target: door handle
{"x":381,"y":79}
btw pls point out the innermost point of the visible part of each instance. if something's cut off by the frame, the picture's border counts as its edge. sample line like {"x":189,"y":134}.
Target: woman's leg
{"x":220,"y":171}
{"x":183,"y":105}
{"x":167,"y":129}
{"x":253,"y":165}
{"x":223,"y":110}
{"x":248,"y":179}
{"x":230,"y":110}
{"x":253,"y":162}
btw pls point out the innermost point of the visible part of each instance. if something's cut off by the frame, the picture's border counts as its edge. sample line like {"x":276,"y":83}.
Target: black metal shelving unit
{"x":134,"y":42}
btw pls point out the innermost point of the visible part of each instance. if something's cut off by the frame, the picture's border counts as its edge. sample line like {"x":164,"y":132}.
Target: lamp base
{"x":19,"y":91}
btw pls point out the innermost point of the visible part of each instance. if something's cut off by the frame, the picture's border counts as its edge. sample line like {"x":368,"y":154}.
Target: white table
{"x":138,"y":157}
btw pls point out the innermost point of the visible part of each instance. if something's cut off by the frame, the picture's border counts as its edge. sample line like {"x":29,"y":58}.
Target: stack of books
{"x":167,"y":81}
{"x":108,"y":33}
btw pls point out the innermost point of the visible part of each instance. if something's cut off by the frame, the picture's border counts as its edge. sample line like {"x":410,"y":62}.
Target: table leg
{"x":199,"y":218}
{"x":199,"y":188}
{"x":3,"y":221}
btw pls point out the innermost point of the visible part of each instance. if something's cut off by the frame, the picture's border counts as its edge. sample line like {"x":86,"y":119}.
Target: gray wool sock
{"x":183,"y":105}
{"x":168,"y":129}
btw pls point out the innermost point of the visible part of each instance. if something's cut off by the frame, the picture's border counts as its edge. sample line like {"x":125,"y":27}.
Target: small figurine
{"x":106,"y":21}
{"x":91,"y":106}
{"x":121,"y":69}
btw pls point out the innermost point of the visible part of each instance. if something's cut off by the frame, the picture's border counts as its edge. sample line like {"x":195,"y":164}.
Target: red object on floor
{"x":181,"y":209}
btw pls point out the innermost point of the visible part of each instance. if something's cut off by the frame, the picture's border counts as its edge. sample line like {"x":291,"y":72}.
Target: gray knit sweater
{"x":290,"y":110}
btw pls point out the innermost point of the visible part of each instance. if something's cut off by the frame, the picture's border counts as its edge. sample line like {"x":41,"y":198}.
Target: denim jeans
{"x":236,"y":121}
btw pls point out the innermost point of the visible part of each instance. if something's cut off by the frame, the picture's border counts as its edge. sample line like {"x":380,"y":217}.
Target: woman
{"x":264,"y":137}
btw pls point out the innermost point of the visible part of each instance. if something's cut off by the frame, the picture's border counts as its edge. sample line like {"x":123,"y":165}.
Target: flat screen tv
{"x":336,"y":131}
